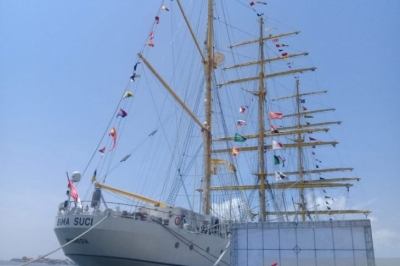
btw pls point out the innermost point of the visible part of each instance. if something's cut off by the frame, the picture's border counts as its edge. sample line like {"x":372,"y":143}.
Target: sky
{"x":61,"y":60}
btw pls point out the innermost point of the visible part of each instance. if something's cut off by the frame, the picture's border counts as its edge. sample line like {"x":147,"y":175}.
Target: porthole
{"x":191,"y":247}
{"x":177,"y":245}
{"x":208,"y":249}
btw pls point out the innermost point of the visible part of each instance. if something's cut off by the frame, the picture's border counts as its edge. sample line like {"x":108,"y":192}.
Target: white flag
{"x":279,"y":176}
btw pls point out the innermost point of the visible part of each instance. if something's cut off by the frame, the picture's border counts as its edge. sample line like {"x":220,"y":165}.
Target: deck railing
{"x":143,"y":213}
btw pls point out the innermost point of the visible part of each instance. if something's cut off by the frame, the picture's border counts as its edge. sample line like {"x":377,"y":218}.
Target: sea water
{"x":14,"y":263}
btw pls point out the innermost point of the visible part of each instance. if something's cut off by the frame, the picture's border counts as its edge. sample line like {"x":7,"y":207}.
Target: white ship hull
{"x":124,"y":241}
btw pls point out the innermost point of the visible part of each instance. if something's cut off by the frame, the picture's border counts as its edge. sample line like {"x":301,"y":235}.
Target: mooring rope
{"x":222,"y":254}
{"x":66,"y":244}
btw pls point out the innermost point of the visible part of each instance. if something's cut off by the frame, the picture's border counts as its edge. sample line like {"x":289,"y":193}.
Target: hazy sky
{"x":58,"y":57}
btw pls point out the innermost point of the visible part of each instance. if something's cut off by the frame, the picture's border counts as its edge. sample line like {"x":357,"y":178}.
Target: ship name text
{"x":78,"y":241}
{"x":77,"y":221}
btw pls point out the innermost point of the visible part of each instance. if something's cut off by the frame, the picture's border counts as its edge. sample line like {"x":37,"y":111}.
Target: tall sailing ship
{"x":227,"y":119}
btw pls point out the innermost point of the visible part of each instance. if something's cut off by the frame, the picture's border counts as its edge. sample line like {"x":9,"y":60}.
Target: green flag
{"x":279,"y":160}
{"x":239,"y":138}
{"x":308,"y":116}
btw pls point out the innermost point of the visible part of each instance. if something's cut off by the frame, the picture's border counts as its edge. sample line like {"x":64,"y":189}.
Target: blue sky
{"x":63,"y":65}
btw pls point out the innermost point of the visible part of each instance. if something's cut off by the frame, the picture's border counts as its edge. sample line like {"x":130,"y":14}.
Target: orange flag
{"x":113,"y":134}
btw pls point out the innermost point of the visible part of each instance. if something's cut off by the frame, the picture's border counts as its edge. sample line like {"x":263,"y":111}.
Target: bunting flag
{"x":151,"y":37}
{"x":240,"y":123}
{"x":284,"y":54}
{"x":153,"y":132}
{"x":257,"y":2}
{"x":327,"y":202}
{"x":275,"y":264}
{"x":122,"y":113}
{"x":304,"y":108}
{"x":102,"y":150}
{"x":275,"y":40}
{"x":150,"y":43}
{"x":321,"y":178}
{"x":324,"y":190}
{"x":303,"y":100}
{"x":327,"y":197}
{"x":94,"y":176}
{"x":281,"y":45}
{"x":157,"y":19}
{"x":232,"y":168}
{"x":133,"y":76}
{"x":242,"y":109}
{"x":328,"y":207}
{"x":125,"y":158}
{"x":273,"y":115}
{"x":312,"y":139}
{"x":239,"y":138}
{"x":274,"y":129}
{"x":279,"y":160}
{"x":113,"y":134}
{"x":135,"y":66}
{"x":308,"y":116}
{"x":279,"y":176}
{"x":235,"y":151}
{"x":276,"y":145}
{"x":73,"y":192}
{"x":165,"y":8}
{"x":127,"y":94}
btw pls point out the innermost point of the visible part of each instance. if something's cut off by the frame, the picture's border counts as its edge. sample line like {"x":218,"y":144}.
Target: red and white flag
{"x":73,"y":192}
{"x":242,"y":109}
{"x":274,"y":115}
{"x":276,"y":145}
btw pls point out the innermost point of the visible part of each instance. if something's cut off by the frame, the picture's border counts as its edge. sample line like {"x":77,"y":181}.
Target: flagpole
{"x":69,"y":189}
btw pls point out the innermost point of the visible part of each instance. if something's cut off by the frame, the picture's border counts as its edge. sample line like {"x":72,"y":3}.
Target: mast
{"x":296,"y":133}
{"x":261,"y":96}
{"x":206,"y":195}
{"x":300,"y":154}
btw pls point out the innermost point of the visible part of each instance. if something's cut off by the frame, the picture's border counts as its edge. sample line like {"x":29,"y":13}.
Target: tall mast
{"x":300,"y":154}
{"x":261,"y":97}
{"x":205,"y":197}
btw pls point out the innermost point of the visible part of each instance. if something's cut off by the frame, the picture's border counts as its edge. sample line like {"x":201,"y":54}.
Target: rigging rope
{"x":71,"y":241}
{"x":222,"y":254}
